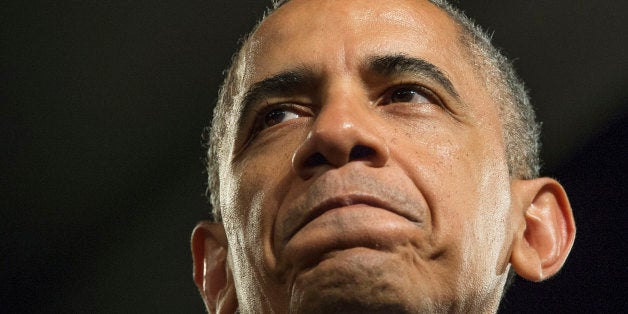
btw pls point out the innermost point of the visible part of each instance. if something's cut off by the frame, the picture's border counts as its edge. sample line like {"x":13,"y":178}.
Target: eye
{"x":409,"y":94}
{"x":279,"y":115}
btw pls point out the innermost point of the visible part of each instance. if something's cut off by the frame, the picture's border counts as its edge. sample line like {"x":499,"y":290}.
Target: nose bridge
{"x":343,"y":112}
{"x":344,"y":130}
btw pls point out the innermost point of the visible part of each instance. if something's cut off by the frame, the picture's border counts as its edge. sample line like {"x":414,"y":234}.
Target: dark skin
{"x":368,"y":173}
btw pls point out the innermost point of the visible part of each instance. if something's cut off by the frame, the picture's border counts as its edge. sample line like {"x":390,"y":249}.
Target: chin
{"x":353,"y":306}
{"x":357,"y":280}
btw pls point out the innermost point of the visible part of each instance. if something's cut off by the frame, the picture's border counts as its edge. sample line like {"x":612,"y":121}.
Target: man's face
{"x":368,"y":166}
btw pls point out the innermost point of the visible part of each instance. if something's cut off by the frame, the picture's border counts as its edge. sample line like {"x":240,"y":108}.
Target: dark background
{"x":104,"y":103}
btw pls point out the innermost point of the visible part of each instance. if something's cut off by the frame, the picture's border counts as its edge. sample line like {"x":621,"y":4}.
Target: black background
{"x":103,"y":104}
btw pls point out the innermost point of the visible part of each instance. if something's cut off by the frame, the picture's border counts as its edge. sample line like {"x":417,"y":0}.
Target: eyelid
{"x":426,"y":92}
{"x":262,"y":111}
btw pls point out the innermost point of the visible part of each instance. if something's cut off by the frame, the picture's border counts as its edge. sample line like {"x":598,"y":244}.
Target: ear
{"x":546,"y":228}
{"x":212,"y":273}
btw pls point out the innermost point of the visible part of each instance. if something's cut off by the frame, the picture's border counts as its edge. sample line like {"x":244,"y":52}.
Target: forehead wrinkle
{"x":289,"y":20}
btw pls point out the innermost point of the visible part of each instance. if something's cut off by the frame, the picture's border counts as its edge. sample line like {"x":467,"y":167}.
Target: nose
{"x":343,"y":132}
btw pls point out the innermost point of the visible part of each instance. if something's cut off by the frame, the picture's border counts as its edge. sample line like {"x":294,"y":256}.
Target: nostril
{"x":314,"y":160}
{"x":360,"y":152}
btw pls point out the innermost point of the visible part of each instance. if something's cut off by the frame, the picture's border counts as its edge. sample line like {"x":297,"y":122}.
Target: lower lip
{"x":349,"y":227}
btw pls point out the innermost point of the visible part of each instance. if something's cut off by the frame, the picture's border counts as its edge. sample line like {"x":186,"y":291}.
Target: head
{"x":374,"y":156}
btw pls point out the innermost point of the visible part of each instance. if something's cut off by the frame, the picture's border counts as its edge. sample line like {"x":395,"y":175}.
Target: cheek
{"x":248,"y":223}
{"x":241,"y":214}
{"x":465,"y":183}
{"x":442,"y":164}
{"x":472,"y":213}
{"x":252,"y":210}
{"x":254,"y":187}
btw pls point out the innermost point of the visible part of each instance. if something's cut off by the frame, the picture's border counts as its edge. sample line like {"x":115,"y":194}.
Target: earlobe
{"x":212,"y":274}
{"x":546,"y":231}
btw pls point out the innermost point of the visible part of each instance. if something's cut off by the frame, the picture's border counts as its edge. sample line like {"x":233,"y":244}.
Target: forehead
{"x":316,"y":31}
{"x":404,"y":12}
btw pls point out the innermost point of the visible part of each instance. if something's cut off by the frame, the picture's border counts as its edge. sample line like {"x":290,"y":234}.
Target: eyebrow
{"x":281,"y":84}
{"x":391,"y":65}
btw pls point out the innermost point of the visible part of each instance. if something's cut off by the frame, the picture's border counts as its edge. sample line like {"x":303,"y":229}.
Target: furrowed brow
{"x":390,"y":65}
{"x":279,"y":85}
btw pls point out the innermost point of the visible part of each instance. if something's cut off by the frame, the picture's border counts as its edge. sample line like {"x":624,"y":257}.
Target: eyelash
{"x":262,"y":113}
{"x":422,"y":90}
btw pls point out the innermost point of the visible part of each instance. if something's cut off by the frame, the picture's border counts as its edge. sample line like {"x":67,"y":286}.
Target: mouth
{"x":345,"y":209}
{"x":343,"y":201}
